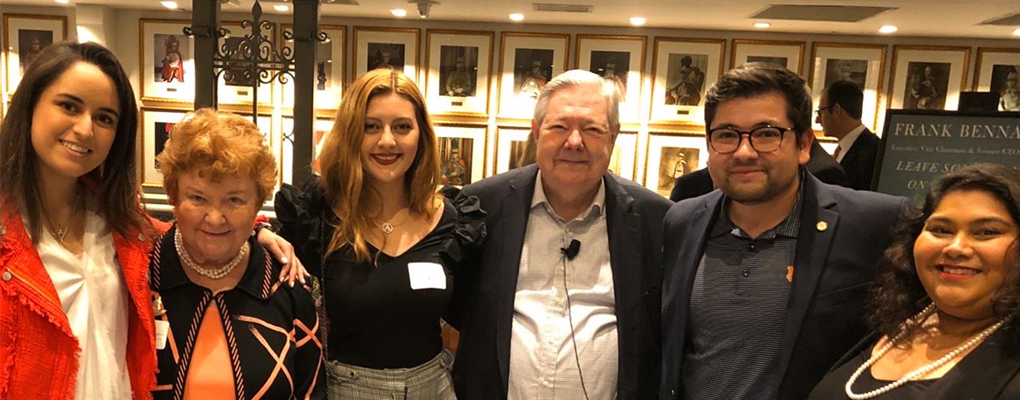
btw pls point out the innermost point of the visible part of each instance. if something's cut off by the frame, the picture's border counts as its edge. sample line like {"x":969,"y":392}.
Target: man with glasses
{"x":839,"y":112}
{"x":764,"y":280}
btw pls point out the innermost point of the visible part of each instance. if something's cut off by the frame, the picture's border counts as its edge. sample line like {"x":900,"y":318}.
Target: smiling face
{"x":575,"y":141}
{"x":390,"y":141}
{"x":965,"y":252}
{"x":74,"y":123}
{"x":215,"y":216}
{"x":745,"y":175}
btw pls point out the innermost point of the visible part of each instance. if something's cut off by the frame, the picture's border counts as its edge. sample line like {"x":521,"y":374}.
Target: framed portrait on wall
{"x":458,"y":73}
{"x":624,"y":157}
{"x":157,"y":126}
{"x":25,"y":36}
{"x":670,"y":157}
{"x":321,"y":128}
{"x":998,"y":71}
{"x":618,"y":59}
{"x":167,"y":61}
{"x":235,"y":86}
{"x":461,"y":153}
{"x":863,"y":64}
{"x":330,"y":68}
{"x":527,"y":62}
{"x":788,"y":54}
{"x":512,"y":148}
{"x":683,"y":69}
{"x":927,"y":77}
{"x":395,"y":48}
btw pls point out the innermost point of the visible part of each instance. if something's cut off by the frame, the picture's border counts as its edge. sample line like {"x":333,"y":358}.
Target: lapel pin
{"x":822,"y":226}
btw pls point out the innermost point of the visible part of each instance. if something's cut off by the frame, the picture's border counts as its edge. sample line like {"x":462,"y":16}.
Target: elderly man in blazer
{"x":765,"y":279}
{"x":564,"y":300}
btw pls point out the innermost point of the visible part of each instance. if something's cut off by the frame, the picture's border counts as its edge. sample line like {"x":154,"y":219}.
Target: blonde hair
{"x":343,"y":176}
{"x":220,"y":144}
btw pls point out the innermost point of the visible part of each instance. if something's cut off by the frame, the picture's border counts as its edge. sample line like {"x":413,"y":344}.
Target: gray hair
{"x":579,"y":77}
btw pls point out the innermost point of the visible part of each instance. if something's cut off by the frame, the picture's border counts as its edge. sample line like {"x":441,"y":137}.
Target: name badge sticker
{"x":162,"y":329}
{"x":426,"y":275}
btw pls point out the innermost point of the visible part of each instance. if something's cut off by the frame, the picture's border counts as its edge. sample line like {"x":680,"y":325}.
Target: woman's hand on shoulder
{"x":283,"y":251}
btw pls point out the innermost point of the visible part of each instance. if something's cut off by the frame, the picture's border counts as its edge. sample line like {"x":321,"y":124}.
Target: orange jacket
{"x":38,"y":351}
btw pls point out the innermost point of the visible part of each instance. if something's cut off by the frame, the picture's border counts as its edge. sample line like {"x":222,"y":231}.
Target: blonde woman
{"x":384,"y":244}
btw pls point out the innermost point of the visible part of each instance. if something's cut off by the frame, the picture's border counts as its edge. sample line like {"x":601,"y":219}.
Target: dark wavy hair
{"x":116,"y":179}
{"x":900,"y":295}
{"x":757,"y":79}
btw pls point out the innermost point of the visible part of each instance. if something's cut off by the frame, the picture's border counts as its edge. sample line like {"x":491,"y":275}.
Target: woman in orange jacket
{"x":76,"y":315}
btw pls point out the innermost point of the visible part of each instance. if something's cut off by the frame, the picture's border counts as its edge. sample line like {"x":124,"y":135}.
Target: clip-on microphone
{"x":571,"y":250}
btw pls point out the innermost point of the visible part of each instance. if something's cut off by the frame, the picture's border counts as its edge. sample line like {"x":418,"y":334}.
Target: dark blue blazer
{"x":833,"y":268}
{"x":483,"y":303}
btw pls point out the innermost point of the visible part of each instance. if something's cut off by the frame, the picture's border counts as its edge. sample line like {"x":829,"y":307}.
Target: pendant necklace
{"x":387,"y":227}
{"x":61,"y":230}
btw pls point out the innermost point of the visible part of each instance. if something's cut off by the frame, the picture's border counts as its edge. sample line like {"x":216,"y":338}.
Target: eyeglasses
{"x":820,"y":109}
{"x":763,"y":139}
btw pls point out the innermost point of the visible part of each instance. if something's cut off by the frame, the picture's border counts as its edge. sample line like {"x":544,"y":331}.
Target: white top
{"x":95,"y":298}
{"x":542,"y":363}
{"x":848,"y":140}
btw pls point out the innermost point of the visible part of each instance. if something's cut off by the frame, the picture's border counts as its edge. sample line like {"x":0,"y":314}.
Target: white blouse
{"x":95,"y":298}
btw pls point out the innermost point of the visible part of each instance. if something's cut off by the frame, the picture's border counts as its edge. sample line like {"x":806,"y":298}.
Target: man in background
{"x":839,"y":113}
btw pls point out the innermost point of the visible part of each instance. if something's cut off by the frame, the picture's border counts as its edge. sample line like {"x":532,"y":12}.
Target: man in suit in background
{"x":765,"y":280}
{"x":563,"y":300}
{"x":839,"y":112}
{"x":821,"y":165}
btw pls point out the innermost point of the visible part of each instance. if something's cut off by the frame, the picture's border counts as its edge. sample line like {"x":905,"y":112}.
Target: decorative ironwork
{"x":251,"y":59}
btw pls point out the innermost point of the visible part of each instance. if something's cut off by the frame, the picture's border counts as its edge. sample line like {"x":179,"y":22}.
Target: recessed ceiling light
{"x":888,"y":29}
{"x":169,"y":4}
{"x":762,"y":25}
{"x":638,"y":21}
{"x":1016,"y":32}
{"x":281,"y":7}
{"x":517,"y":17}
{"x":398,"y":12}
{"x":62,"y":1}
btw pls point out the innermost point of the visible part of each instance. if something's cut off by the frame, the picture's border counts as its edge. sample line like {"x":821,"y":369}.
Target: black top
{"x":833,"y":386}
{"x":265,"y":322}
{"x":377,"y":320}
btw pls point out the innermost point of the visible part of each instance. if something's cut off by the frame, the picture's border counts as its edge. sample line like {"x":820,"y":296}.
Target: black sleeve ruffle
{"x":468,"y":228}
{"x":300,"y":212}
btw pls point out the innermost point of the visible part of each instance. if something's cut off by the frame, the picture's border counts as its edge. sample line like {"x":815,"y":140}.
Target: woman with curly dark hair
{"x":943,"y":310}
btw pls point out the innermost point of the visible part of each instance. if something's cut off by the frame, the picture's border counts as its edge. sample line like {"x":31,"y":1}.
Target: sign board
{"x":920,"y":146}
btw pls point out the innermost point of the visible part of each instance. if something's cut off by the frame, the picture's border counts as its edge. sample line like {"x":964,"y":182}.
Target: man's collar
{"x":597,"y":205}
{"x":848,"y":140}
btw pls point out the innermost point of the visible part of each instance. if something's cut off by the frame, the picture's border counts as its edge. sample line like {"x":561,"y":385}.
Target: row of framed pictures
{"x":459,"y":64}
{"x":465,"y":150}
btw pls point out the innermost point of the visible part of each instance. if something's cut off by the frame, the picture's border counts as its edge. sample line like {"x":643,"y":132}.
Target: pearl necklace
{"x":917,"y":319}
{"x":207,"y":272}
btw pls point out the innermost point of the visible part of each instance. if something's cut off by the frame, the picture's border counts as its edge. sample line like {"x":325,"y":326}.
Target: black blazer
{"x":988,"y":372}
{"x":822,"y":166}
{"x":859,"y":161}
{"x":484,"y":305}
{"x":842,"y":234}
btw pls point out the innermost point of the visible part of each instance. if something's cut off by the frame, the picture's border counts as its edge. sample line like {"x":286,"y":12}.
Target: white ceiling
{"x":940,"y":18}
